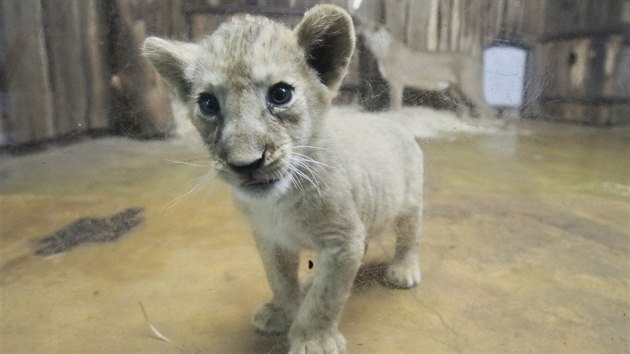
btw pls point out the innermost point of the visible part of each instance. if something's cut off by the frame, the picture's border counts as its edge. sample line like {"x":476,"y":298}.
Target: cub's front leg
{"x":281,"y":265}
{"x":315,"y":328}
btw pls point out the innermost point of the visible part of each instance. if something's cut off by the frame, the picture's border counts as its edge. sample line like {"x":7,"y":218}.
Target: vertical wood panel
{"x":202,"y":25}
{"x":419,"y":21}
{"x":97,"y":71}
{"x":581,"y":15}
{"x":617,"y":69}
{"x":142,"y":100}
{"x":455,"y":20}
{"x":471,"y":30}
{"x":444,"y":25}
{"x":30,"y":103}
{"x":432,"y":26}
{"x":63,"y":42}
{"x":586,"y":68}
{"x":58,"y":79}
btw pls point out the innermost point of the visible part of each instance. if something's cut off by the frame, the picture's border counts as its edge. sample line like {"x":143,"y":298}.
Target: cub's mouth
{"x":253,"y":182}
{"x":272,"y":178}
{"x":261,"y":186}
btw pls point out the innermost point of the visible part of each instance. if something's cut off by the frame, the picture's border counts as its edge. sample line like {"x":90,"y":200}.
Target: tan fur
{"x":403,"y":67}
{"x":338,"y":181}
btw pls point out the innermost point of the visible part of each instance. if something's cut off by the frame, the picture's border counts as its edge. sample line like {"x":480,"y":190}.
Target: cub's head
{"x":258,"y":93}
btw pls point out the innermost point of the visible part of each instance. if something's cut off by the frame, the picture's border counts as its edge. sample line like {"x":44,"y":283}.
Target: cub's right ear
{"x":171,"y":58}
{"x":326,"y":35}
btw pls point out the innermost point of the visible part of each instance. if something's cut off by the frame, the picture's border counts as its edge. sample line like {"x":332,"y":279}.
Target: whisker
{"x":304,"y":162}
{"x":187,"y":163}
{"x":198,"y":184}
{"x":310,"y":159}
{"x":299,"y":162}
{"x":292,"y":172}
{"x":204,"y":157}
{"x":304,"y":176}
{"x":309,"y":147}
{"x":294,"y":181}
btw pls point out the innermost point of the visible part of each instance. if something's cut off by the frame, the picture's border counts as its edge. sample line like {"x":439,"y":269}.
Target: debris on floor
{"x":90,"y":230}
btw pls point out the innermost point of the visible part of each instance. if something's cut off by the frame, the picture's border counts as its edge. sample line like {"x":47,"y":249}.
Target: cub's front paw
{"x":272,"y":319}
{"x":320,"y":343}
{"x":404,"y":273}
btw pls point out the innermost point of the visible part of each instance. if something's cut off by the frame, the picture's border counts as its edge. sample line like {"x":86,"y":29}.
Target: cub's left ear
{"x":171,"y":58}
{"x":326,"y":35}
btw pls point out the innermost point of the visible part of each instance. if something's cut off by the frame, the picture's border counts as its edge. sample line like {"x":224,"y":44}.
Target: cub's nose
{"x":245,"y":167}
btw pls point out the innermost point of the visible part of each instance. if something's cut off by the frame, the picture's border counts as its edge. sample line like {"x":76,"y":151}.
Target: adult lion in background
{"x":402,"y":67}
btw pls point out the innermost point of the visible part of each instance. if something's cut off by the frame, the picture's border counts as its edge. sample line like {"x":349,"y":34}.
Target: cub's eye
{"x":280,"y":94}
{"x":208,"y":104}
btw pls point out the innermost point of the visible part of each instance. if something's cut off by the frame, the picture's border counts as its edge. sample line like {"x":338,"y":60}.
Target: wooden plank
{"x":418,"y":22}
{"x":580,"y":16}
{"x":588,"y":68}
{"x":97,"y":72}
{"x":178,"y":25}
{"x":463,"y":44}
{"x":522,"y":22}
{"x":587,"y":113}
{"x":534,"y":82}
{"x":66,"y":65}
{"x":455,"y":21}
{"x":5,"y":133}
{"x":498,"y":11}
{"x":144,"y":106}
{"x":229,"y":7}
{"x":533,"y":20}
{"x":620,"y":114}
{"x":30,"y":111}
{"x":617,"y":69}
{"x":473,"y":27}
{"x":432,"y":26}
{"x":491,"y":13}
{"x":164,"y":18}
{"x":444,"y":25}
{"x":204,"y":24}
{"x":584,"y":84}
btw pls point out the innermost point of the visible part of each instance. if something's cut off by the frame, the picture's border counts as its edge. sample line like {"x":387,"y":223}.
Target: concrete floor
{"x":526,"y":248}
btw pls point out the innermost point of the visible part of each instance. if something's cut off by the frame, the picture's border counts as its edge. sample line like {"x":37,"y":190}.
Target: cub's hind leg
{"x":404,"y":271}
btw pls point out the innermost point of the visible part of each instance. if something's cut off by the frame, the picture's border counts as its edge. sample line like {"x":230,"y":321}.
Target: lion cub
{"x":259,"y":94}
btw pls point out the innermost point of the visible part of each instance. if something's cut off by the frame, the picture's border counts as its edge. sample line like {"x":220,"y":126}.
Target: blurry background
{"x":72,"y":67}
{"x":107,"y":198}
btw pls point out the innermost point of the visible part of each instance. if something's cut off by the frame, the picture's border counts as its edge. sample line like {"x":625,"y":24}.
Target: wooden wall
{"x":54,"y":71}
{"x":25,"y":86}
{"x":58,"y":59}
{"x":582,"y":71}
{"x":140,"y":101}
{"x":579,"y":51}
{"x":462,"y":25}
{"x":69,"y":67}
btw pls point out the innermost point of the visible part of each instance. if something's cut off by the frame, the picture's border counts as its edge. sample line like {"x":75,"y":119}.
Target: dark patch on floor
{"x":87,"y":230}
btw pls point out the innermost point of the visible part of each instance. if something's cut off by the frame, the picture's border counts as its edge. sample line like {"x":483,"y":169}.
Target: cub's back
{"x":373,"y":141}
